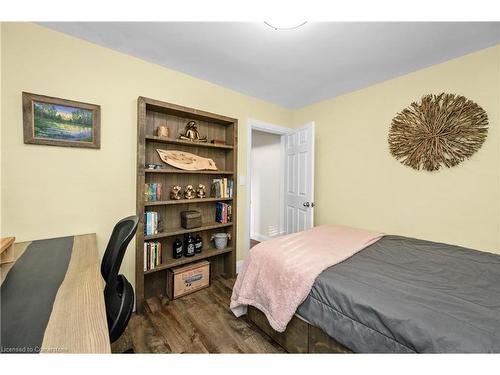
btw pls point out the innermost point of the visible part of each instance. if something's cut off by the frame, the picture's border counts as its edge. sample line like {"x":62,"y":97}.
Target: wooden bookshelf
{"x":185,"y":143}
{"x":186,"y":201}
{"x":179,"y":231}
{"x":179,"y":171}
{"x":151,"y":114}
{"x":171,"y":262}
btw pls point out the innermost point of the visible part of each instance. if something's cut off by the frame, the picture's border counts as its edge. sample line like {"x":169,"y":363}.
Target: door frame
{"x":265,"y":127}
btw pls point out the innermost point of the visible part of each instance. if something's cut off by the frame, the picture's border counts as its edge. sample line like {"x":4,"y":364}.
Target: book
{"x":153,"y":255}
{"x":146,"y":229}
{"x":158,"y":192}
{"x":152,"y":189}
{"x":218,"y":212}
{"x":151,"y":219}
{"x":152,"y":192}
{"x":150,"y":251}
{"x":215,"y":189}
{"x":148,"y":256}
{"x":221,"y":188}
{"x":223,"y":213}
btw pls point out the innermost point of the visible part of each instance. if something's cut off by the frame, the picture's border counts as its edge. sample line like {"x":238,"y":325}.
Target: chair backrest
{"x":119,"y":299}
{"x":122,"y":233}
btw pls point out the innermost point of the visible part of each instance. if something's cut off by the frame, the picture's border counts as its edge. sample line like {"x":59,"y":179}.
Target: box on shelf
{"x":183,"y":280}
{"x":190,"y":219}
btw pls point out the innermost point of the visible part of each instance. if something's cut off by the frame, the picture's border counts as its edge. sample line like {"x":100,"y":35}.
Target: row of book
{"x":223,"y":213}
{"x":152,"y":255}
{"x":222,"y":188}
{"x":151,"y":219}
{"x":152,"y":192}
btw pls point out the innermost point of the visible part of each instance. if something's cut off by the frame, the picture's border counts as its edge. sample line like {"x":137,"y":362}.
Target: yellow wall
{"x":53,"y":191}
{"x":56,"y":191}
{"x":359,"y":183}
{"x":498,"y":132}
{"x":1,"y":127}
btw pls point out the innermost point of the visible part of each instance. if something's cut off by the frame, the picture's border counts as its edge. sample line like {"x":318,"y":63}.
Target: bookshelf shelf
{"x":150,"y":115}
{"x":186,"y":143}
{"x":180,"y":171}
{"x":171,"y":262}
{"x":185,"y":201}
{"x":181,"y":231}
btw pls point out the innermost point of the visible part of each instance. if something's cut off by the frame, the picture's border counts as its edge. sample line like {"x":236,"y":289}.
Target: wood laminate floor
{"x":197,"y":323}
{"x":253,"y":243}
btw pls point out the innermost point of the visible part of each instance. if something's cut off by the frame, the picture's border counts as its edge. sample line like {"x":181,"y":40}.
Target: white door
{"x":299,"y":179}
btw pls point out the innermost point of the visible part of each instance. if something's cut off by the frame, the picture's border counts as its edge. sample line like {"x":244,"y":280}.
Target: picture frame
{"x":60,"y":122}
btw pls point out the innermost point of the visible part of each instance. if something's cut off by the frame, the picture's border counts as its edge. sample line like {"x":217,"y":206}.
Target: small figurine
{"x":175,"y":192}
{"x":153,"y":166}
{"x":162,"y":131}
{"x":191,"y":133}
{"x":201,"y":192}
{"x":189,"y":192}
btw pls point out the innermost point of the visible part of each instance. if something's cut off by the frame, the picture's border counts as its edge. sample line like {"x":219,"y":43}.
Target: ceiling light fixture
{"x":285,"y":25}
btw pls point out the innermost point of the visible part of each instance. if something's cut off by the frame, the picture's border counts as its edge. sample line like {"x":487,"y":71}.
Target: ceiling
{"x":292,"y":68}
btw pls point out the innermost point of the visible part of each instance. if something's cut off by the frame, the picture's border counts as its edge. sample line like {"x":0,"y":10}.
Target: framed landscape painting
{"x":60,"y":122}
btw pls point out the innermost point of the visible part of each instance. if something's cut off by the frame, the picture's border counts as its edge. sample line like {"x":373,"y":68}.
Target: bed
{"x":399,"y":295}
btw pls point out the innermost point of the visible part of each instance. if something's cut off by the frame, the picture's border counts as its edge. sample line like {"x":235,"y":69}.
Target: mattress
{"x":403,"y":295}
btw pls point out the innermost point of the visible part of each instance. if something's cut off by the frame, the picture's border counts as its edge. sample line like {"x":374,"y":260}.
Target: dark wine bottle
{"x":177,"y":249}
{"x":198,"y":244}
{"x":189,"y":246}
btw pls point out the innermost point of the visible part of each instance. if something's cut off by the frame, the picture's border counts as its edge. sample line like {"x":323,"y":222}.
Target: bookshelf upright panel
{"x":151,"y":114}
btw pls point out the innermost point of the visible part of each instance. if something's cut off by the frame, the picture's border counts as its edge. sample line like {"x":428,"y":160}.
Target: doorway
{"x":283,"y":175}
{"x":265,"y":189}
{"x":265,"y":181}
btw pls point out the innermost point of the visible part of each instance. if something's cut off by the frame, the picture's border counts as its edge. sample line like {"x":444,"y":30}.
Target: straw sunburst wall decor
{"x":440,"y":130}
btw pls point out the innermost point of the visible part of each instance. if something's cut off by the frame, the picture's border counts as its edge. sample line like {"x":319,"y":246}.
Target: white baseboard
{"x":239,"y":264}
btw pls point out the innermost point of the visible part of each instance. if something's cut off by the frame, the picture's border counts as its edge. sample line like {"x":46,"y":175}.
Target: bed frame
{"x":299,"y":336}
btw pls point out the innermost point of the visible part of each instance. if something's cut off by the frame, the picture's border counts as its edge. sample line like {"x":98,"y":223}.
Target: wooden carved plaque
{"x":186,"y":161}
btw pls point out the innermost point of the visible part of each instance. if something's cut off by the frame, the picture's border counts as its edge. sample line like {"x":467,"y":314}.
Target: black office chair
{"x":118,"y":293}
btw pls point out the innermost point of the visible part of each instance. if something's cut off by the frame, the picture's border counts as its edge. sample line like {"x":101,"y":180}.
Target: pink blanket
{"x":277,"y":275}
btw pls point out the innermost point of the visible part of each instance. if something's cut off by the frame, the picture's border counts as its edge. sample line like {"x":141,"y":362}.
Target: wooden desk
{"x":7,"y":249}
{"x":77,"y":321}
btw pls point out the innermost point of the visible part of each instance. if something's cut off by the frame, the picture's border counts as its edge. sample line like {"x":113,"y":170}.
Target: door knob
{"x":306,"y":204}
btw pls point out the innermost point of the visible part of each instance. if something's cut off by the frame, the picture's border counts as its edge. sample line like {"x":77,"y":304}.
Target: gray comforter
{"x":405,"y":295}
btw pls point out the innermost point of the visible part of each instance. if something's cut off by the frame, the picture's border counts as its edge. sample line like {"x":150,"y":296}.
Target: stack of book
{"x":223,"y":213}
{"x":152,"y":192}
{"x":150,"y":223}
{"x":222,"y":188}
{"x":152,"y":255}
